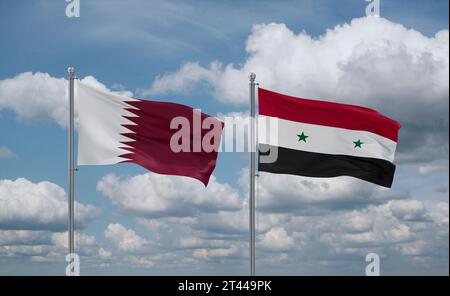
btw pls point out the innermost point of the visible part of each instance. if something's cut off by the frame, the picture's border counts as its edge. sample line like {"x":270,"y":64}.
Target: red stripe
{"x":326,"y":113}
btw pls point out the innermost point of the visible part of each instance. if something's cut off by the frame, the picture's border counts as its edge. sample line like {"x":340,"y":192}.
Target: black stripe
{"x":311,"y":164}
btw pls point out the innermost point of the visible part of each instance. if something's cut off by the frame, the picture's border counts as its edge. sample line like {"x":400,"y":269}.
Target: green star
{"x":358,"y":144}
{"x":302,"y":137}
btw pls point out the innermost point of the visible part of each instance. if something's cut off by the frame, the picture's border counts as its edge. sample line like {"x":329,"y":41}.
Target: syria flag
{"x":165,"y":138}
{"x":324,"y":139}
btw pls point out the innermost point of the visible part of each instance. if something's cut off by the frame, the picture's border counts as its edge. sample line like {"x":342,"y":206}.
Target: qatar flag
{"x":165,"y":138}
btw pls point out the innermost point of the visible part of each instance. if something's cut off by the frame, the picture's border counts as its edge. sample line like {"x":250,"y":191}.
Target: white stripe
{"x":324,"y":139}
{"x":100,"y":127}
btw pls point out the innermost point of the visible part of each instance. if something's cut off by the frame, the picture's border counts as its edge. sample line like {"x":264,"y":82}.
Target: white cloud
{"x":381,"y":234}
{"x":398,"y":233}
{"x":23,"y":237}
{"x":60,"y":239}
{"x":43,"y":246}
{"x":322,"y":219}
{"x":397,"y":223}
{"x":414,"y":248}
{"x":213,"y":253}
{"x":328,"y":65}
{"x":185,"y":79}
{"x":124,"y":239}
{"x":409,"y":210}
{"x":36,"y":96}
{"x":406,"y":232}
{"x":163,"y":259}
{"x":85,"y":245}
{"x":140,"y":262}
{"x":277,"y":239}
{"x":153,"y":195}
{"x":24,"y":250}
{"x":39,"y":96}
{"x":27,"y":205}
{"x":237,"y":223}
{"x":104,"y":254}
{"x":6,"y":153}
{"x":439,"y":213}
{"x":191,"y":242}
{"x":355,"y":221}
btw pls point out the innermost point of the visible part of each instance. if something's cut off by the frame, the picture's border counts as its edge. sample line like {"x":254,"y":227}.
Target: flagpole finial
{"x":71,"y":71}
{"x":252,"y":77}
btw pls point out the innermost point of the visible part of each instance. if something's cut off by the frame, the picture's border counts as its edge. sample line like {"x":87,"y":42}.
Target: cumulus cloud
{"x":40,"y":96}
{"x":24,"y":250}
{"x":182,"y":235}
{"x":214,"y":253}
{"x":323,"y":220}
{"x":149,"y":261}
{"x":104,"y":254}
{"x":174,"y":210}
{"x":153,"y":195}
{"x":237,"y":223}
{"x":23,"y":237}
{"x":408,"y":230}
{"x":277,"y":239}
{"x":439,"y":213}
{"x":409,"y":210}
{"x":25,"y":205}
{"x":60,"y":239}
{"x":396,"y":230}
{"x":140,"y":262}
{"x":36,"y":95}
{"x":415,"y":248}
{"x":43,"y":246}
{"x":356,"y":61}
{"x":396,"y":227}
{"x":370,"y":61}
{"x":185,"y":79}
{"x":124,"y":239}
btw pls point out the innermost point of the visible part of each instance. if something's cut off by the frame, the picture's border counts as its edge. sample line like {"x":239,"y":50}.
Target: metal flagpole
{"x":71,"y":71}
{"x":252,"y":146}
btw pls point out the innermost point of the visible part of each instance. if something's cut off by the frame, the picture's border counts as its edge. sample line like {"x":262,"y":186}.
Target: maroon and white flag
{"x":165,"y":138}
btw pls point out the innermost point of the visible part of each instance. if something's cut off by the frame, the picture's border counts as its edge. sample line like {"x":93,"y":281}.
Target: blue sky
{"x":397,"y":64}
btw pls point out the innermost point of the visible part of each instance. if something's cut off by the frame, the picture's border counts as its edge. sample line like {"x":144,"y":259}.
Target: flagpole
{"x":71,"y":71}
{"x":252,"y":146}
